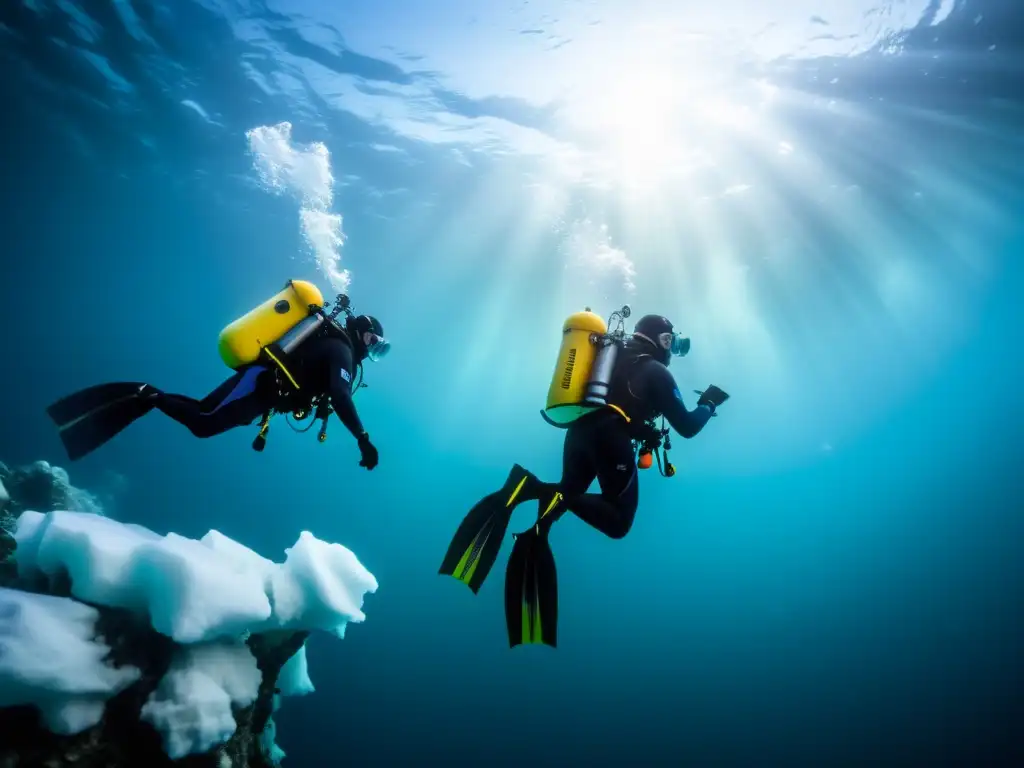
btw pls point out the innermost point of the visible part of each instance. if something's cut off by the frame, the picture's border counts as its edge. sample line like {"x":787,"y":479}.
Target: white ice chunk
{"x":293,"y":679}
{"x":50,"y":659}
{"x":267,"y":740}
{"x":196,"y":591}
{"x":239,"y":555}
{"x":97,"y":553}
{"x":195,"y":596}
{"x":188,"y":592}
{"x":192,"y":705}
{"x":320,"y":586}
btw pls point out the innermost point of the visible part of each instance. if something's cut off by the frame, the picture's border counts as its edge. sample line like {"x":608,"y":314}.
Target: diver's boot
{"x":148,"y":393}
{"x":550,"y":508}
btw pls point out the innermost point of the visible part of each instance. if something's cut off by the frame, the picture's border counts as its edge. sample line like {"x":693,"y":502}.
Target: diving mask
{"x":674,"y":343}
{"x":378,"y":348}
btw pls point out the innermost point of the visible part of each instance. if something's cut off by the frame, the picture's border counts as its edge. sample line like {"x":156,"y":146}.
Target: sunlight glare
{"x":635,"y":121}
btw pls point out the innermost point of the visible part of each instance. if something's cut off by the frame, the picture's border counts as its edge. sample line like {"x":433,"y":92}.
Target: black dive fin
{"x":91,"y":417}
{"x":531,"y":591}
{"x":475,"y":547}
{"x":81,"y":403}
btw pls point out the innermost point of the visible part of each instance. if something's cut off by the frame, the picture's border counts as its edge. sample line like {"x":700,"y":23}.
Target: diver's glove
{"x":369,"y":452}
{"x":712,"y":397}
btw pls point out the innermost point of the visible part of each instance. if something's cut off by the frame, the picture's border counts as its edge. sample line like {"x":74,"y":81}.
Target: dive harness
{"x":290,"y":399}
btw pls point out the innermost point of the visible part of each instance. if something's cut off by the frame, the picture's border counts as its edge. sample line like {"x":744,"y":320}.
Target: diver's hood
{"x":658,"y":331}
{"x":379,"y":347}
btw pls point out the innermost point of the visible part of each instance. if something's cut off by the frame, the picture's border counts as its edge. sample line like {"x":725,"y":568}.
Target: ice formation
{"x":192,"y":705}
{"x":48,"y":658}
{"x":206,"y":595}
{"x":195,"y":591}
{"x":270,"y":747}
{"x":294,"y":677}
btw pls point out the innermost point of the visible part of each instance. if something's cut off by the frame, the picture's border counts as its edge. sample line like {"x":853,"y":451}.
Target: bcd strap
{"x":276,"y":356}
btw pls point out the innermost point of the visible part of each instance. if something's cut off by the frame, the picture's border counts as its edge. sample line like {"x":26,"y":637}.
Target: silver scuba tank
{"x":302,"y":331}
{"x":596,"y":392}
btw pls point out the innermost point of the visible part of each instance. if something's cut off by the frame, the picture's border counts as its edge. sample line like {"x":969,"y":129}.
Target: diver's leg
{"x":235,"y":403}
{"x":578,"y":468}
{"x":607,"y":451}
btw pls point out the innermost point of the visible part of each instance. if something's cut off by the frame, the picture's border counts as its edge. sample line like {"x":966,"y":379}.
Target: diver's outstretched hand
{"x":369,"y":452}
{"x":712,"y":397}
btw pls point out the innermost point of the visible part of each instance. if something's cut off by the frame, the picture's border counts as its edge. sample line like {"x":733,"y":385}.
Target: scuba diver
{"x":290,"y":356}
{"x":607,"y":392}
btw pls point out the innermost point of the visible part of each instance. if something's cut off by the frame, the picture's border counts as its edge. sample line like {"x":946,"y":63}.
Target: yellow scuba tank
{"x":583,"y":336}
{"x":241,"y":342}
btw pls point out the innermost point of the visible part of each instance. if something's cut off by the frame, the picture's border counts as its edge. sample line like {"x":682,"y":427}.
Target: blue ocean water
{"x":824,"y":195}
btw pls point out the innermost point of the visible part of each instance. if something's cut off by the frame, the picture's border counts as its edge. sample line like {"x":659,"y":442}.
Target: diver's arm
{"x":664,"y":394}
{"x":340,"y":389}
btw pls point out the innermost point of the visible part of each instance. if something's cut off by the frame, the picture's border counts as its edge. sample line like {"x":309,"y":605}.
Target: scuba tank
{"x":583,"y":370}
{"x":306,"y":328}
{"x":600,"y":377}
{"x":242,"y":341}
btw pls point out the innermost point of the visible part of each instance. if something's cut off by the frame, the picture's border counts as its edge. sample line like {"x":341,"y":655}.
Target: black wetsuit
{"x":323,"y":364}
{"x":599,"y":445}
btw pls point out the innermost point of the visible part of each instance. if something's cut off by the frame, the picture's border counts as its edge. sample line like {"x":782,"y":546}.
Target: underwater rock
{"x":43,"y":488}
{"x":272,"y":652}
{"x":40,"y":487}
{"x":122,"y":739}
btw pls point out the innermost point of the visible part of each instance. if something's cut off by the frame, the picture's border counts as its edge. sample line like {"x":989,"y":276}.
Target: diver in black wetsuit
{"x":323,"y":365}
{"x":598,"y":445}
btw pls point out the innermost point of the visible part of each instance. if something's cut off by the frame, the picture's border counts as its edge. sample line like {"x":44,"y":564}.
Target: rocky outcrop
{"x":39,"y":486}
{"x":44,"y":487}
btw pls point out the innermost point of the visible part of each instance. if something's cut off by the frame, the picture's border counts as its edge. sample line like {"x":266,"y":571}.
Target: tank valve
{"x":625,"y":310}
